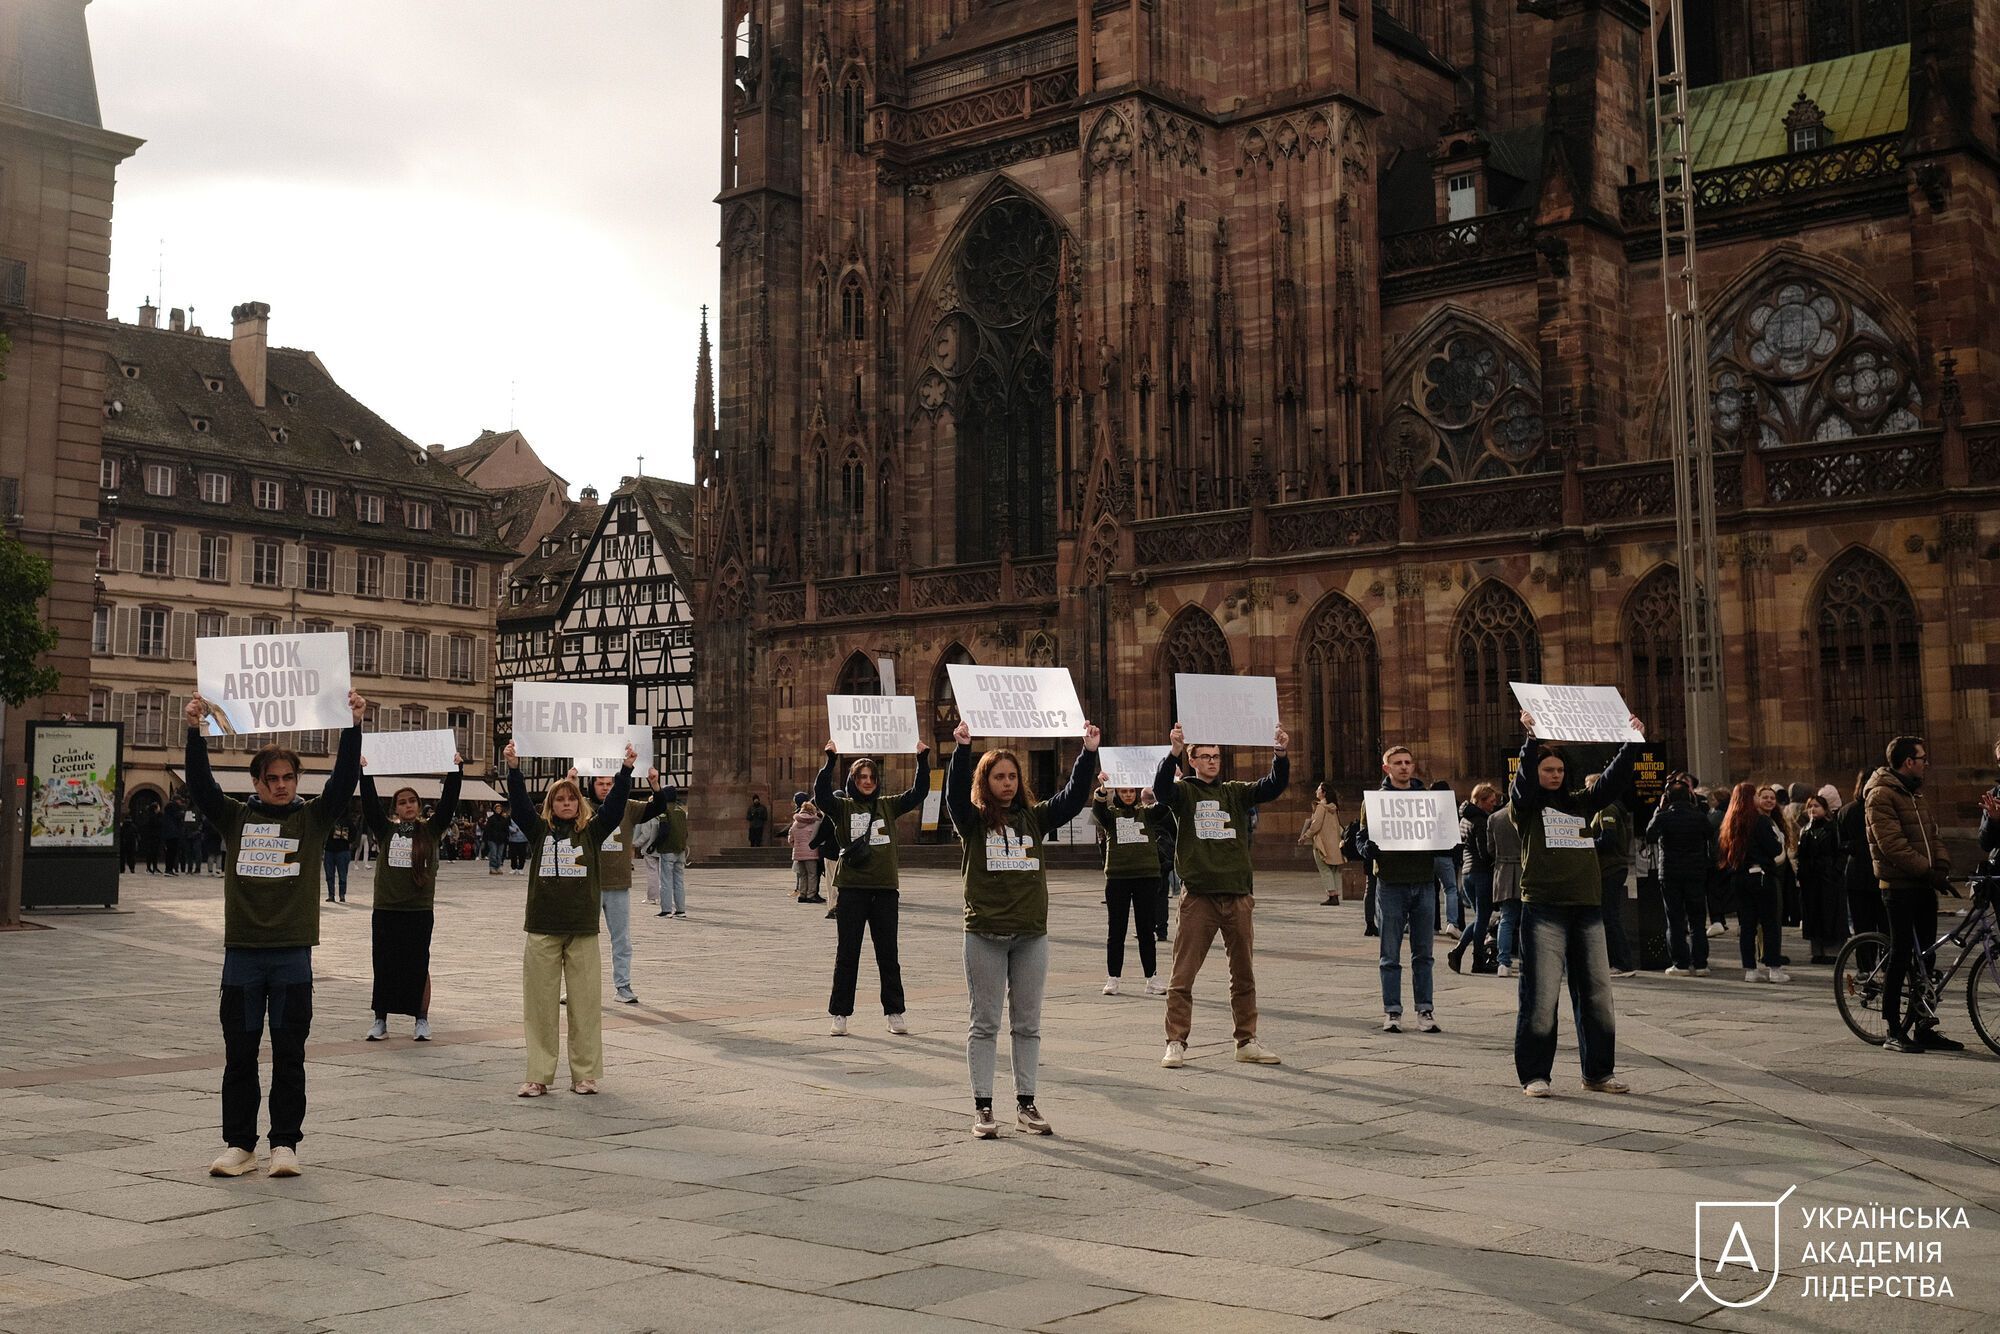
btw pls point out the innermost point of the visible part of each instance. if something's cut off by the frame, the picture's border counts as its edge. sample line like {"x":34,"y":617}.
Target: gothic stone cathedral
{"x":1322,"y":340}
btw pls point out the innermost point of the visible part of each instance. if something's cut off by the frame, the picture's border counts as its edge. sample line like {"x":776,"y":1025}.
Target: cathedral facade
{"x":1325,"y":341}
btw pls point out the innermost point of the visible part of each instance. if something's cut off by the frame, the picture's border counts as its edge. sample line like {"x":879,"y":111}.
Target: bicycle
{"x":1863,"y":963}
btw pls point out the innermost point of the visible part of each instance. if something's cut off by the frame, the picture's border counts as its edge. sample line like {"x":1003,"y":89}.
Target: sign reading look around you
{"x":1016,"y":701}
{"x":567,"y":720}
{"x":1577,"y":713}
{"x":872,"y":724}
{"x":1416,"y":821}
{"x":273,"y":683}
{"x":1227,"y":710}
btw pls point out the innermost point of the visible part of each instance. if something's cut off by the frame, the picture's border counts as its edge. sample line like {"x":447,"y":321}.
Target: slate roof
{"x":52,"y":72}
{"x":160,"y":404}
{"x":668,"y":506}
{"x":1864,"y":95}
{"x":517,"y":509}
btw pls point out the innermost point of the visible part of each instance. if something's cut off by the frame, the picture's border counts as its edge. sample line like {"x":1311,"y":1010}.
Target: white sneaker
{"x":1503,"y":971}
{"x":838,"y":1028}
{"x":1536,"y":1088}
{"x":1675,"y":970}
{"x":1715,"y":929}
{"x":284,"y":1162}
{"x":1254,"y":1052}
{"x":1776,"y":975}
{"x":1392,"y":1023}
{"x":233,"y":1163}
{"x":423,"y":1030}
{"x":897,"y":1026}
{"x":1176,"y":1056}
{"x":377,"y":1030}
{"x":1624,"y":972}
{"x":1753,"y":975}
{"x":1111,"y":986}
{"x":1701,"y":972}
{"x":1427,"y":1022}
{"x":1449,"y":931}
{"x":1155,"y":987}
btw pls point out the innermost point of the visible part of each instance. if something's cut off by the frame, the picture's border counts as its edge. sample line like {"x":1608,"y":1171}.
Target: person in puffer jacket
{"x":1912,"y":866}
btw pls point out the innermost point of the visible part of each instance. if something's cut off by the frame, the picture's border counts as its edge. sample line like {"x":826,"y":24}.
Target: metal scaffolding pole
{"x":1687,"y":405}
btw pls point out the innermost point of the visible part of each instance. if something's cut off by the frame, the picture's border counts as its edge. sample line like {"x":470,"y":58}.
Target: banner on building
{"x":569,"y":720}
{"x":1130,"y":766}
{"x":1016,"y":701}
{"x":274,"y":683}
{"x":1577,"y":713}
{"x":872,"y":724}
{"x":1227,"y":710}
{"x":1414,"y":821}
{"x":393,"y":753}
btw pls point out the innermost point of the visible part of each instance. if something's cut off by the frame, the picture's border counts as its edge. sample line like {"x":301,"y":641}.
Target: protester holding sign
{"x":1406,"y":882}
{"x":561,"y":951}
{"x":405,"y":897}
{"x":1562,"y":919}
{"x":1212,"y":855}
{"x":1131,"y":878}
{"x":866,"y":883}
{"x":272,"y":850}
{"x":614,"y":874}
{"x":1003,"y":829}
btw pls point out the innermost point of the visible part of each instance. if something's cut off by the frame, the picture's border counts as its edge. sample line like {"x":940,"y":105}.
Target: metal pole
{"x":1688,"y":407}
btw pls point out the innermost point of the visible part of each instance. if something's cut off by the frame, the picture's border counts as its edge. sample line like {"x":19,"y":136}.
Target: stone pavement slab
{"x":743,"y":1171}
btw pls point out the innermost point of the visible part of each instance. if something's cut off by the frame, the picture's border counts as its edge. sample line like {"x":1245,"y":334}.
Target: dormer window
{"x":464,"y":522}
{"x":269,"y":494}
{"x":212,"y":384}
{"x":518,"y":593}
{"x":279,"y":435}
{"x":215,"y":488}
{"x":1806,"y":130}
{"x":129,"y":369}
{"x":319,"y":502}
{"x":547,"y":547}
{"x":1808,"y":138}
{"x":416,"y":515}
{"x":200,"y":424}
{"x":575,"y":542}
{"x":1461,"y":196}
{"x":289,"y":399}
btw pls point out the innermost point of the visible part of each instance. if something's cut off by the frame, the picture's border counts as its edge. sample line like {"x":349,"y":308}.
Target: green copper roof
{"x":1863,"y":95}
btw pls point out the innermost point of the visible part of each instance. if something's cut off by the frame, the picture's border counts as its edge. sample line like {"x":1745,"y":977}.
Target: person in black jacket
{"x":1989,"y":827}
{"x":1752,"y":846}
{"x":1476,"y":870}
{"x":1687,"y":850}
{"x":1864,"y":896}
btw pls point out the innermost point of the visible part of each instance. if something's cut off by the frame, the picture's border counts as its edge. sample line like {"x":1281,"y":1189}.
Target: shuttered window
{"x":266,"y":563}
{"x":416,"y":648}
{"x":152,"y":632}
{"x":212,"y":558}
{"x":368,"y":575}
{"x":367,"y":652}
{"x":156,"y":553}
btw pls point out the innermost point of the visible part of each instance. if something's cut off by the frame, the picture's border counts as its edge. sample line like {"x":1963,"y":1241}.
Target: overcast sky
{"x":457,"y":203}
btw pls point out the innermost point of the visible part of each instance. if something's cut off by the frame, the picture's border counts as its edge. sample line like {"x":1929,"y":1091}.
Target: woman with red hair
{"x":1751,"y":848}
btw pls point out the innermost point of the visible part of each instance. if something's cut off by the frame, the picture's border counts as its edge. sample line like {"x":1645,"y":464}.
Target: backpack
{"x":1350,"y":841}
{"x":826,"y":840}
{"x":645,"y":835}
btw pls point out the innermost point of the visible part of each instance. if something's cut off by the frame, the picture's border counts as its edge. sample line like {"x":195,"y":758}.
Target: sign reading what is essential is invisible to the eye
{"x":273,"y":683}
{"x":1416,"y":821}
{"x":1017,"y":701}
{"x":568,"y":720}
{"x":1227,"y":710}
{"x":872,"y":724}
{"x":409,"y":752}
{"x":1130,"y":766}
{"x":1577,"y":713}
{"x":640,"y":736}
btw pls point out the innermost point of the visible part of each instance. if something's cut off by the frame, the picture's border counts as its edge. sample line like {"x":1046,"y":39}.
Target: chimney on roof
{"x":177,"y":320}
{"x":149,"y":315}
{"x":249,"y":347}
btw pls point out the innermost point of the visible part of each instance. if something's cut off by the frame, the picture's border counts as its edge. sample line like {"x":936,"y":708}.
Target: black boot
{"x":1456,"y":954}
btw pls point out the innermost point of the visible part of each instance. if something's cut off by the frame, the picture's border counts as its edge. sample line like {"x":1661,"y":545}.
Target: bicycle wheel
{"x":1858,"y":986}
{"x":1982,"y":1001}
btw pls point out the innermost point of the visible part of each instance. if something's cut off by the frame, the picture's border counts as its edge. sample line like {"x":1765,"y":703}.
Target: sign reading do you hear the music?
{"x":1017,"y":701}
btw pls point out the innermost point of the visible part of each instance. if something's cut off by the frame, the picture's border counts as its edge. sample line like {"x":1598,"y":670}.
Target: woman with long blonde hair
{"x":1003,"y":828}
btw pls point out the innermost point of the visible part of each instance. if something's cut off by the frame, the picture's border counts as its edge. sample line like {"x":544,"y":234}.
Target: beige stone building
{"x":243,"y":491}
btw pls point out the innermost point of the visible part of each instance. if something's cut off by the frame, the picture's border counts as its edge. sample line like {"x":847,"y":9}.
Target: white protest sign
{"x":1577,"y":713}
{"x":1130,"y":766}
{"x":1227,"y":710}
{"x":565,"y":720}
{"x":1415,"y":821}
{"x":274,"y":683}
{"x":640,"y":737}
{"x":1016,"y":701}
{"x":409,"y":752}
{"x":872,"y":724}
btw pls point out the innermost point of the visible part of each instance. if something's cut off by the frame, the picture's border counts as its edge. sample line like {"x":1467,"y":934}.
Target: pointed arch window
{"x":858,"y":676}
{"x":1470,"y":408}
{"x":1194,"y":644}
{"x":1870,"y":660}
{"x":854,"y":486}
{"x":854,"y":112}
{"x":822,"y":106}
{"x":1496,"y":642}
{"x":853,"y":308}
{"x":822,"y":303}
{"x":944,"y":700}
{"x":1339,"y":666}
{"x":1655,"y":681}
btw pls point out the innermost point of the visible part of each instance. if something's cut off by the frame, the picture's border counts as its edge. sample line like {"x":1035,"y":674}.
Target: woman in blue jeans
{"x":1562,"y":917}
{"x":1505,"y":836}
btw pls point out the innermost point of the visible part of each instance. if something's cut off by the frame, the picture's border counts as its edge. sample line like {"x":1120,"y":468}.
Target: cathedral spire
{"x":704,"y":387}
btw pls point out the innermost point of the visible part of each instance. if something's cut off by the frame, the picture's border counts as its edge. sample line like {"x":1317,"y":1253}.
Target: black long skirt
{"x":402,"y":960}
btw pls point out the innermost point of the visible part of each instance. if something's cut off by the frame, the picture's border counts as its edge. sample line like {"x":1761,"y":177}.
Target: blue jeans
{"x":1508,"y":947}
{"x":495,"y":853}
{"x":673,"y":882}
{"x":255,"y":981}
{"x":1415,"y":907}
{"x":1445,"y":867}
{"x":1479,"y":891}
{"x":618,"y":925}
{"x":336,"y":869}
{"x":1558,"y":939}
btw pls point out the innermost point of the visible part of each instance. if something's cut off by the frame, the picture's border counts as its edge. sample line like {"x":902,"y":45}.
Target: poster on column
{"x":273,"y":683}
{"x":1419,"y":821}
{"x":1130,"y":766}
{"x":1577,"y":713}
{"x":1227,"y":710}
{"x":640,"y":737}
{"x":568,"y":720}
{"x":391,"y":753}
{"x":1016,"y":701}
{"x":872,"y":724}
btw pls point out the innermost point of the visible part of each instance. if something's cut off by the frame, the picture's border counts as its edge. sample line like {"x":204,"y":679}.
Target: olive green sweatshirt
{"x":1558,"y":853}
{"x":1212,"y":823}
{"x":400,"y":884}
{"x":614,"y":859}
{"x":563,"y":856}
{"x":1006,"y":887}
{"x":870,"y":820}
{"x":1129,"y":851}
